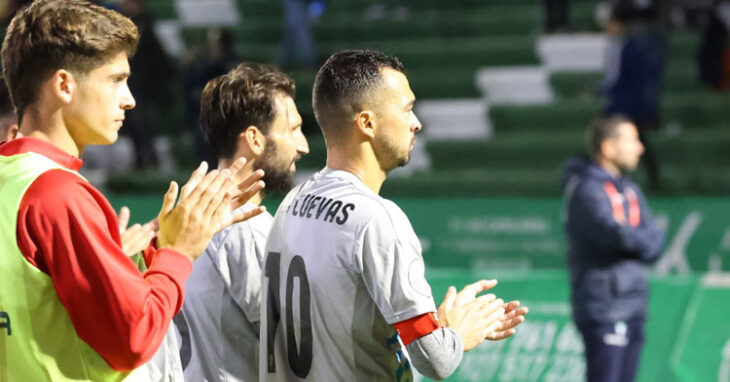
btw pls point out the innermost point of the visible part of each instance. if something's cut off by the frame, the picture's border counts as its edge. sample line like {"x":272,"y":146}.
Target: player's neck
{"x":359,"y":162}
{"x":50,"y":128}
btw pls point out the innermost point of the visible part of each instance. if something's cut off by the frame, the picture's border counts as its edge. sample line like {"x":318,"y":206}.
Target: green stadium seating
{"x":444,"y":43}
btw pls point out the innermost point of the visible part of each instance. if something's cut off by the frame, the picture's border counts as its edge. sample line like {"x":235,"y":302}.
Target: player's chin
{"x":106,"y":138}
{"x":113,"y":136}
{"x":404,"y":160}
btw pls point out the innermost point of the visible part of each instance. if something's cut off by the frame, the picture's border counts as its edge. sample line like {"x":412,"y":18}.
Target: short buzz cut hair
{"x":344,"y":83}
{"x":603,"y":128}
{"x":49,"y":35}
{"x":243,"y":97}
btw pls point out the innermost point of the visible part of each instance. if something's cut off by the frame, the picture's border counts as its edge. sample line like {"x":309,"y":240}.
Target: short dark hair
{"x":344,"y":81}
{"x":49,"y":35}
{"x":603,"y":128}
{"x":6,"y":105}
{"x":243,"y":97}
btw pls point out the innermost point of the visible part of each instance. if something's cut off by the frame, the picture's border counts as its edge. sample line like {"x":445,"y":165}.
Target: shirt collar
{"x":346,"y":176}
{"x":29,"y":144}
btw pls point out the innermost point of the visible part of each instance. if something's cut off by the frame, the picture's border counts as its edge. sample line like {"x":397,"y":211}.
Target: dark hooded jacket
{"x":611,"y":238}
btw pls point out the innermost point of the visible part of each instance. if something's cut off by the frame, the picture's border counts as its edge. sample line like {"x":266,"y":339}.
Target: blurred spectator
{"x":556,"y":15}
{"x":153,"y":73}
{"x":297,"y":50}
{"x":216,"y":57}
{"x":714,"y":54}
{"x":612,"y":239}
{"x":383,"y":9}
{"x":635,"y":69}
{"x":8,"y":119}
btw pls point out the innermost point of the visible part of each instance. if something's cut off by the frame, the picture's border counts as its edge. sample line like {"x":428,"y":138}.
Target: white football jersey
{"x":342,"y":264}
{"x":222,"y":303}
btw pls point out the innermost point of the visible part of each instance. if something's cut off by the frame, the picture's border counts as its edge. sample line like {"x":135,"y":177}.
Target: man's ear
{"x":608,"y":149}
{"x":253,"y":140}
{"x":366,"y":123}
{"x":13,"y":132}
{"x":63,"y":85}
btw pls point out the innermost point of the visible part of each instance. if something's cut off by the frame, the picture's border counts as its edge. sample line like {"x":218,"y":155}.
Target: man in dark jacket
{"x":612,"y":238}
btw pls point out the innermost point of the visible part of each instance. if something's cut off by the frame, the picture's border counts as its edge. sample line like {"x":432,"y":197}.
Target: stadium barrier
{"x":687,"y":332}
{"x":527,"y":233}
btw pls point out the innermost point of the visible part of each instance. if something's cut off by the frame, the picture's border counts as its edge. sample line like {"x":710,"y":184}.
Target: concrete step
{"x":573,"y":52}
{"x":201,"y":13}
{"x":518,"y":85}
{"x":448,"y":119}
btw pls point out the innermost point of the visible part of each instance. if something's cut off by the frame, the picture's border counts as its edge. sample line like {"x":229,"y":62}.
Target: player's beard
{"x":278,"y":176}
{"x":389,"y":155}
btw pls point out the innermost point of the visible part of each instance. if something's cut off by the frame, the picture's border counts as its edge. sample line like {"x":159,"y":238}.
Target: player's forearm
{"x":437,"y":354}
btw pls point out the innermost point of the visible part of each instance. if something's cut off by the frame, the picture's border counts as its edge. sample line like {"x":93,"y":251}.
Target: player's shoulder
{"x":59,"y":187}
{"x":338,"y":197}
{"x":351,"y":191}
{"x":244,"y":230}
{"x":389,"y":217}
{"x":259,"y":223}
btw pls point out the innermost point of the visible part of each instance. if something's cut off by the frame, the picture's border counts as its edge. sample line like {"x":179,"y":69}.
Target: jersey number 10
{"x":300,"y":357}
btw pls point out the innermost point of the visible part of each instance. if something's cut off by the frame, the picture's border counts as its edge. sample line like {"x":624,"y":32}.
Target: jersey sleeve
{"x":392,"y":267}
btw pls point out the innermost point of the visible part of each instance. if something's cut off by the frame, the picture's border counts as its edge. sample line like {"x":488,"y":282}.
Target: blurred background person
{"x":154,"y":73}
{"x":298,"y":49}
{"x":556,"y":15}
{"x":612,"y":239}
{"x":714,"y":52}
{"x":215,"y":57}
{"x":635,"y":70}
{"x":385,"y":9}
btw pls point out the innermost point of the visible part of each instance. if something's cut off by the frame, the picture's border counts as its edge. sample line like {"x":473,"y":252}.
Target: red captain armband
{"x":416,"y":327}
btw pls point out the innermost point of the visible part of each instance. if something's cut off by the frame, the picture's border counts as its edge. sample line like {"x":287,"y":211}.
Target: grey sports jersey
{"x":164,"y":365}
{"x":342,"y":265}
{"x":222,"y":303}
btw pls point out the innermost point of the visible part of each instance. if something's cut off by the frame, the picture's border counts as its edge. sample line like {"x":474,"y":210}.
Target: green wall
{"x":524,"y":233}
{"x":687,"y":333}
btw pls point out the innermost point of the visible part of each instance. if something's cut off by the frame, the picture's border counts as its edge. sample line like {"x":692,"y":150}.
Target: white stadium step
{"x":454,"y":119}
{"x":197,"y":13}
{"x":573,"y":53}
{"x":515,"y":85}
